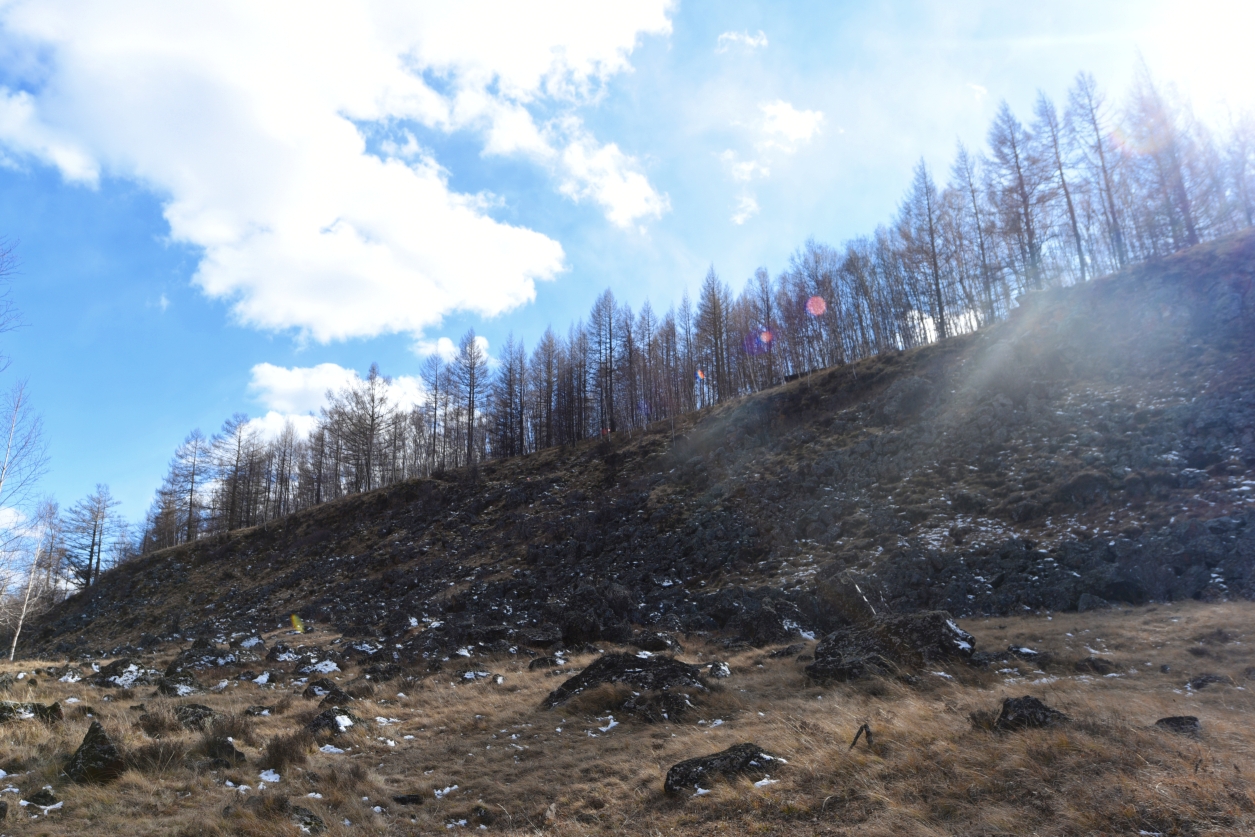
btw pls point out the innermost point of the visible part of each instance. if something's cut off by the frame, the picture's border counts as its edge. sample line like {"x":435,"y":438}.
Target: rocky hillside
{"x":1097,"y":447}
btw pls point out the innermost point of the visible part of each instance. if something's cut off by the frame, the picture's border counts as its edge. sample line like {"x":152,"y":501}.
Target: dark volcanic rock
{"x":1095,"y":665}
{"x":320,"y":688}
{"x":1181,"y":725}
{"x":889,"y":645}
{"x":692,"y":773}
{"x":335,"y":721}
{"x":409,"y":799}
{"x":97,"y":760}
{"x":544,"y":662}
{"x":16,"y":711}
{"x":654,"y":674}
{"x":1027,"y":713}
{"x":194,"y":715}
{"x":655,"y":641}
{"x":221,"y":751}
{"x":178,"y":682}
{"x":656,"y":707}
{"x":1202,"y":681}
{"x":43,"y":798}
{"x":788,"y":651}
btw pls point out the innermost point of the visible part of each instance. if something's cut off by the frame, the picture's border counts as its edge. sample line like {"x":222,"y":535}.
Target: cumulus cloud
{"x":727,"y":40}
{"x":785,"y":127}
{"x":609,"y":177}
{"x":251,"y":121}
{"x":297,"y":393}
{"x":299,"y":389}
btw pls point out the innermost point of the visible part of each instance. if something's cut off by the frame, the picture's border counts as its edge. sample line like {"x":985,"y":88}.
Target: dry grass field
{"x":484,"y":756}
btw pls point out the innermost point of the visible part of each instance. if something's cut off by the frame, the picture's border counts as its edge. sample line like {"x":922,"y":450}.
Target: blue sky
{"x":229,"y":211}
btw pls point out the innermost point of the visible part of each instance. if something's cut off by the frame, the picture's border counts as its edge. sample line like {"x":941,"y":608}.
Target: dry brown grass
{"x":517,"y":768}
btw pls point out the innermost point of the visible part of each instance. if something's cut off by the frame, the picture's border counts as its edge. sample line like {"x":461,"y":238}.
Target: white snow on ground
{"x":326,"y":667}
{"x":765,"y":781}
{"x":330,"y":749}
{"x":441,"y":794}
{"x":269,"y":776}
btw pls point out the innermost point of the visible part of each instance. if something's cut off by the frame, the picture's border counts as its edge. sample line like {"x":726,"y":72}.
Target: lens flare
{"x":298,"y":624}
{"x":815,"y":306}
{"x":701,"y":376}
{"x":766,"y":337}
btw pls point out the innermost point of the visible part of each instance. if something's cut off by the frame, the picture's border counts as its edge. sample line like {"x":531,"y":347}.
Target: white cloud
{"x":609,"y":177}
{"x":746,"y":208}
{"x":979,"y":91}
{"x":301,"y":390}
{"x":271,"y":425}
{"x":251,"y":121}
{"x":743,"y":39}
{"x":444,"y":347}
{"x":743,"y":171}
{"x":786,"y":127}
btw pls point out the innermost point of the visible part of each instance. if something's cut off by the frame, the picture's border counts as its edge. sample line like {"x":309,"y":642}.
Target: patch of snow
{"x":251,"y":642}
{"x":344,"y":721}
{"x":701,"y":791}
{"x":441,"y":794}
{"x":269,"y":776}
{"x":67,"y":700}
{"x":326,"y":667}
{"x":609,"y":726}
{"x":463,"y":652}
{"x":765,"y":781}
{"x":330,"y":749}
{"x":263,"y":678}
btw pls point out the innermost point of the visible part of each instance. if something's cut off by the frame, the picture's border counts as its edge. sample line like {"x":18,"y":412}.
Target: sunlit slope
{"x":1096,"y":447}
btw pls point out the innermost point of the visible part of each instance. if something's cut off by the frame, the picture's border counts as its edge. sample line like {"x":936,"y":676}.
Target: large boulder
{"x":890,"y":645}
{"x":741,"y":759}
{"x":97,"y":760}
{"x":652,"y":674}
{"x":194,"y":716}
{"x":335,"y":721}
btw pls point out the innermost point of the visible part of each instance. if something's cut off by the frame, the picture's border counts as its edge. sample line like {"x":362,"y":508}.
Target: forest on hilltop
{"x":1074,"y":193}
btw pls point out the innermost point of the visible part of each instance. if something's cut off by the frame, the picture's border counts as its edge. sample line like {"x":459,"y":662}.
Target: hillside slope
{"x":1099,"y":446}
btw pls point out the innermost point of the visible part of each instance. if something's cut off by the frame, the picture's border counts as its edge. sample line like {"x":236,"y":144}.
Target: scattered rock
{"x":719,"y":670}
{"x":221,"y":751}
{"x":1089,"y":601}
{"x":1095,"y":665}
{"x":307,"y":820}
{"x":1027,"y":713}
{"x":788,"y":651}
{"x":320,"y":688}
{"x":544,"y":662}
{"x":409,"y":799}
{"x":655,"y":674}
{"x":43,"y":798}
{"x":889,"y":644}
{"x":334,"y":720}
{"x":97,"y":760}
{"x":258,"y":711}
{"x":656,"y":707}
{"x":123,"y":674}
{"x":178,"y":682}
{"x":737,"y":760}
{"x":1202,"y":681}
{"x":4,"y":810}
{"x":1181,"y":725}
{"x":656,"y":642}
{"x":194,"y":716}
{"x":382,"y":672}
{"x":19,"y":711}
